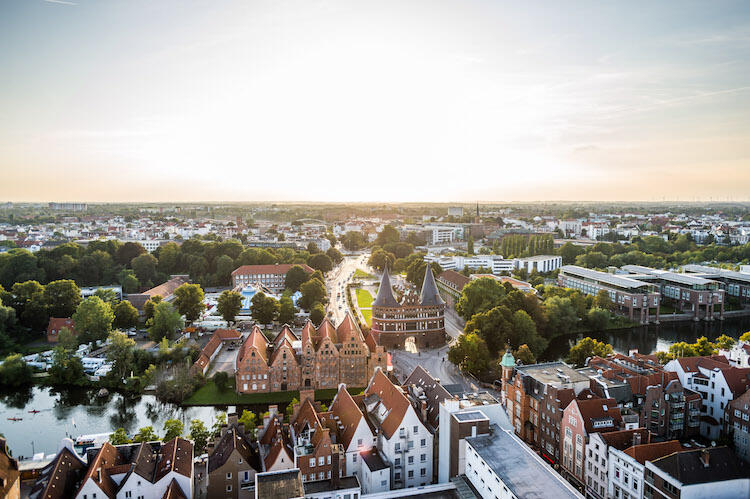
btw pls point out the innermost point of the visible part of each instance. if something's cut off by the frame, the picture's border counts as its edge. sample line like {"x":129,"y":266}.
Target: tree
{"x":290,"y":407}
{"x":93,"y":319}
{"x":166,"y":322}
{"x":745,"y":337}
{"x":703,"y":347}
{"x":389,"y":234}
{"x":320,"y":261}
{"x":173,"y":428}
{"x":380,"y":259}
{"x":249,"y":420}
{"x":317,"y":314}
{"x":150,"y":306}
{"x":199,"y":434}
{"x":561,"y":315}
{"x":67,"y":339}
{"x":229,"y":305}
{"x":66,"y":369}
{"x":121,"y":354}
{"x":335,"y":255}
{"x":14,"y":371}
{"x":189,"y":301}
{"x":287,"y":311}
{"x":725,"y":342}
{"x":313,"y":291}
{"x":603,"y":301}
{"x":27,"y":298}
{"x":145,"y":434}
{"x":221,"y":380}
{"x":470,"y":353}
{"x":264,"y":309}
{"x":126,"y":315}
{"x":470,"y":245}
{"x":221,"y":420}
{"x":569,"y":252}
{"x":128,"y":251}
{"x":353,"y":240}
{"x":525,"y":355}
{"x":129,"y":281}
{"x":479,"y":296}
{"x":312,"y":248}
{"x":586,"y":348}
{"x":62,"y":298}
{"x":224,"y":267}
{"x":295,"y":277}
{"x":144,"y":267}
{"x":119,"y":437}
{"x":415,"y":271}
{"x":169,"y":257}
{"x":597,"y":318}
{"x":107,"y":295}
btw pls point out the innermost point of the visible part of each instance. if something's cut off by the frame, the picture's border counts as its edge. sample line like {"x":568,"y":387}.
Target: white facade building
{"x":540,"y":263}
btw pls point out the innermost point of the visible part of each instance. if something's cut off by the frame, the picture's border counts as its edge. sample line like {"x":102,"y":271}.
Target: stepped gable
{"x":285,"y":334}
{"x":307,"y":415}
{"x":385,"y":293}
{"x":326,"y":330}
{"x":348,"y":330}
{"x":255,"y":342}
{"x":308,"y":333}
{"x":429,"y":296}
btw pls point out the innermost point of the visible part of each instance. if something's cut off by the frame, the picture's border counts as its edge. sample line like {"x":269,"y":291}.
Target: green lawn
{"x":364,"y":298}
{"x":210,"y":395}
{"x":361,"y":274}
{"x":367,"y":314}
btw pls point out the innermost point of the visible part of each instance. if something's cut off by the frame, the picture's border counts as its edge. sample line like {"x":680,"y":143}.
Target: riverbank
{"x":210,"y":395}
{"x":650,"y":338}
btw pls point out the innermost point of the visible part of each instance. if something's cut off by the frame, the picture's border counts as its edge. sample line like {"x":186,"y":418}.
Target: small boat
{"x":15,"y":419}
{"x":33,"y":411}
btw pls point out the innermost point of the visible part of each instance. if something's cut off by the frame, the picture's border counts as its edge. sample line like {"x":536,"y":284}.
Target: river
{"x":76,"y":412}
{"x":651,"y":338}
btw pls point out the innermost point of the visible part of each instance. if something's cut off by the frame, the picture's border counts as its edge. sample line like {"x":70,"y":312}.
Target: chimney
{"x":637,"y":438}
{"x":335,"y":467}
{"x":423,"y":410}
{"x":306,"y":394}
{"x":704,"y":457}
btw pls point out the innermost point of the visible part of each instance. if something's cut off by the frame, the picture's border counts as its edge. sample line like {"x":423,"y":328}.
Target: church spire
{"x":430,"y":295}
{"x":385,"y":293}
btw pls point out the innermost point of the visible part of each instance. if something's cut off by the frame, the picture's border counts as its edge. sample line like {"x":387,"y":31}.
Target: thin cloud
{"x":62,"y":2}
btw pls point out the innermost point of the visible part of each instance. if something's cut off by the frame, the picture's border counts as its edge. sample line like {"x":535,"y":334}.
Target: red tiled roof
{"x":691,"y":364}
{"x":738,"y":379}
{"x":228,"y":334}
{"x":597,"y":408}
{"x":166,"y":289}
{"x":348,"y":413}
{"x":348,"y":330}
{"x":624,"y":438}
{"x":453,"y":277}
{"x":177,"y":455}
{"x":392,"y":397}
{"x":257,"y":342}
{"x":651,"y":452}
{"x":278,"y":268}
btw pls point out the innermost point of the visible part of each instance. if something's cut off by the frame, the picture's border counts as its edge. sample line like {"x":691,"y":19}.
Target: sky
{"x":388,"y":100}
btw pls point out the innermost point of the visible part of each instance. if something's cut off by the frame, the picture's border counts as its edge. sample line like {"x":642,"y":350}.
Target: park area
{"x":210,"y":394}
{"x":364,"y":304}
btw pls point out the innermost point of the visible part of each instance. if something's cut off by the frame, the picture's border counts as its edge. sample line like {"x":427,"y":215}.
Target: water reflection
{"x":651,"y":338}
{"x":17,"y":399}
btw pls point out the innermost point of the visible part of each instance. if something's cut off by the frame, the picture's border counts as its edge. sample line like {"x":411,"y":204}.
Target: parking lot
{"x":224,"y":361}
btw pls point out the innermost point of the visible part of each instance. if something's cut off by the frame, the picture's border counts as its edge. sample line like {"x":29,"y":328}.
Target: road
{"x":336,"y":283}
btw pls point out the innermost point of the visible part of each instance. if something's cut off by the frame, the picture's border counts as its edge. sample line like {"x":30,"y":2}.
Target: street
{"x":336,"y":283}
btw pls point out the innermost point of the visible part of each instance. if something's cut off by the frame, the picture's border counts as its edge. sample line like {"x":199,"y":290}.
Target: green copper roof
{"x":508,"y":360}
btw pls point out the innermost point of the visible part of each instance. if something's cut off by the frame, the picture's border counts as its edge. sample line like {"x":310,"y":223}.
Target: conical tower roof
{"x":385,"y":293}
{"x":430,"y":295}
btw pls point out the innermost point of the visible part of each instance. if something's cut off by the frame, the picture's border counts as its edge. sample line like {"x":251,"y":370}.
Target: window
{"x":411,"y":460}
{"x":423,"y":472}
{"x":416,"y":428}
{"x":328,"y":459}
{"x":359,"y":442}
{"x":411,"y":474}
{"x":397,"y":461}
{"x":354,"y":457}
{"x":383,"y":483}
{"x":423,"y":458}
{"x":423,"y":442}
{"x":312,"y":462}
{"x":229,"y":476}
{"x":229,"y":488}
{"x":398,"y":447}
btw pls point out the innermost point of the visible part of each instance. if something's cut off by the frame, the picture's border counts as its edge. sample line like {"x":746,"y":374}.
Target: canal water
{"x":651,"y":338}
{"x":78,"y":411}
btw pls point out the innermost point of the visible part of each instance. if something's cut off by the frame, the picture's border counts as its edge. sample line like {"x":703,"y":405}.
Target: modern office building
{"x":638,"y":300}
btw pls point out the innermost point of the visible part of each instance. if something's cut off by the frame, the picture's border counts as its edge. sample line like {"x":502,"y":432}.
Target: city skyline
{"x":374,"y":102}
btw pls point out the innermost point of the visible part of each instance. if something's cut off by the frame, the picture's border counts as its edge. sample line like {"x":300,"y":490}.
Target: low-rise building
{"x":711,"y":472}
{"x":271,"y":276}
{"x":637,"y":299}
{"x":233,"y":462}
{"x":10,"y":476}
{"x":626,"y":467}
{"x":499,"y":465}
{"x":737,"y":425}
{"x":56,"y":324}
{"x":597,"y":457}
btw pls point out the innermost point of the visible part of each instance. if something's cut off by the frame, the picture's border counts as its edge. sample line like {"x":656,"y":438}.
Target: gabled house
{"x":402,"y":438}
{"x":232,"y":462}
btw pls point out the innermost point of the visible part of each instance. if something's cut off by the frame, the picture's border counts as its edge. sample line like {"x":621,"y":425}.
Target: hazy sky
{"x":345,"y":100}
